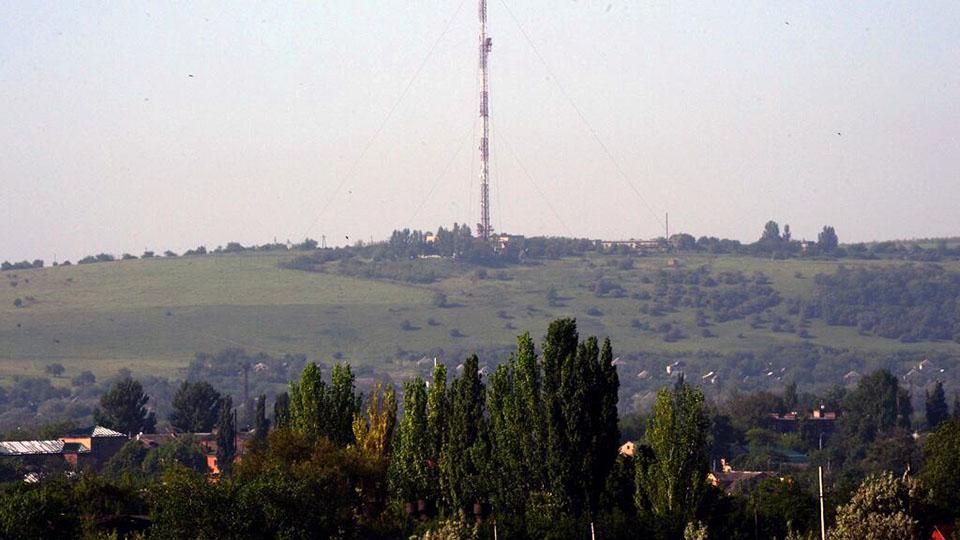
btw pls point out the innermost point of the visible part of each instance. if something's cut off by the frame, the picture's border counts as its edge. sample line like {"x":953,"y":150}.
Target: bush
{"x":456,"y":333}
{"x":56,"y":369}
{"x":85,"y":378}
{"x":594,"y":312}
{"x":440,"y":300}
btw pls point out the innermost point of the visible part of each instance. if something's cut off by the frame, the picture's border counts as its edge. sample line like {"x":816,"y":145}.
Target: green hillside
{"x":152,"y":315}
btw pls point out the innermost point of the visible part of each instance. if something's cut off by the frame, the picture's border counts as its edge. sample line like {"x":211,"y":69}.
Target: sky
{"x":127,"y":126}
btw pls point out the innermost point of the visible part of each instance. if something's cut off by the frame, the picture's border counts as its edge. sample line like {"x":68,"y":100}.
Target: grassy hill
{"x":153,"y":315}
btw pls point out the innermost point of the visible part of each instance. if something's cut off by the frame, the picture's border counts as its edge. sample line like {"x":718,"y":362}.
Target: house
{"x":207,"y":443}
{"x":736,"y":482}
{"x":852,"y":378}
{"x":819,"y":422}
{"x":628,"y":449}
{"x":84,"y":447}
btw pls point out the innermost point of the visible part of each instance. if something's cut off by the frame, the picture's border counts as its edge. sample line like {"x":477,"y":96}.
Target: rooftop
{"x":33,"y":448}
{"x":94,"y":431}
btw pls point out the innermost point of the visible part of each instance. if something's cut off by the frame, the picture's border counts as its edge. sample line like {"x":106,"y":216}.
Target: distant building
{"x":736,"y":482}
{"x":819,"y":422}
{"x":85,"y":447}
{"x":504,"y":240}
{"x":207,"y":443}
{"x":632,"y":245}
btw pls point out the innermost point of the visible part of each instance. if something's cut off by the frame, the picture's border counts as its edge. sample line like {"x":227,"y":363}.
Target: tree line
{"x":458,"y":242}
{"x":530,"y":449}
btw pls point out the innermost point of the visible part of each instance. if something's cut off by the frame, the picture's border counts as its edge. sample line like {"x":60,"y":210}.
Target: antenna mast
{"x":484,"y":230}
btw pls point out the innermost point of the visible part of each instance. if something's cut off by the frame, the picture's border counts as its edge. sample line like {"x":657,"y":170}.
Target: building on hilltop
{"x":633,"y":245}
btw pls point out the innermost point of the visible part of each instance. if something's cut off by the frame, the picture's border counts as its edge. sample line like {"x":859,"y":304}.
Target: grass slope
{"x":152,"y":316}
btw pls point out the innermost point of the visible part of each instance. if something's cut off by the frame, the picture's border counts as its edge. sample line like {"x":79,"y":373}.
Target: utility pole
{"x":823,"y":522}
{"x":484,"y":230}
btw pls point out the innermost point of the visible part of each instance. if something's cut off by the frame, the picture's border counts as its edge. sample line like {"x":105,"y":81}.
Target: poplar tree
{"x":936,"y":407}
{"x":466,"y":453}
{"x":507,"y":427}
{"x":343,"y":403}
{"x":437,"y":425}
{"x":559,"y":351}
{"x":607,"y":434}
{"x":670,"y":476}
{"x":307,"y":403}
{"x":226,"y":436}
{"x":408,"y":466}
{"x":261,"y":425}
{"x":281,"y":411}
{"x":527,"y":381}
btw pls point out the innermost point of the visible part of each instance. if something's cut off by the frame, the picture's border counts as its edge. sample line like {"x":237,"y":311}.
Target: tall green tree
{"x":577,"y":403}
{"x":124,"y":408}
{"x":528,"y":389}
{"x":281,"y":410}
{"x":671,"y":479}
{"x":827,"y":240}
{"x":343,"y":404}
{"x":580,"y":387}
{"x":438,"y":407}
{"x":559,"y":353}
{"x":466,"y":454}
{"x":196,"y":406}
{"x":408,"y":466}
{"x":936,"y":407}
{"x":939,"y":472}
{"x":606,"y":437}
{"x":226,"y":436}
{"x":771,"y":233}
{"x":507,"y":430}
{"x":261,"y":424}
{"x":308,"y":399}
{"x":876,"y":406}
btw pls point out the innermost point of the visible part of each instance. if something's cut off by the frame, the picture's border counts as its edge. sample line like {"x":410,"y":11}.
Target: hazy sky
{"x":128,"y":125}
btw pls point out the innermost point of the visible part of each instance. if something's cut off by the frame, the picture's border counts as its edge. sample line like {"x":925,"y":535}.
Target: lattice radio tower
{"x":484,"y":229}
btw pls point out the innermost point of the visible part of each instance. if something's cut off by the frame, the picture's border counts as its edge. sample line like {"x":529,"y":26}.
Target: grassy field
{"x":152,"y":316}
